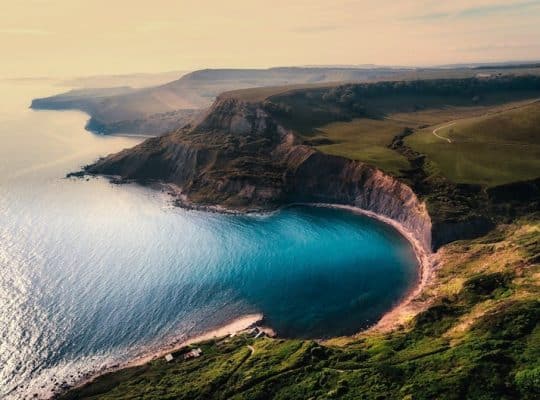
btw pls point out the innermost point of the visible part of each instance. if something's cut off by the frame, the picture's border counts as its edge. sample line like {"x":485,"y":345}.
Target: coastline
{"x":234,"y":326}
{"x":389,"y":321}
{"x":404,"y":309}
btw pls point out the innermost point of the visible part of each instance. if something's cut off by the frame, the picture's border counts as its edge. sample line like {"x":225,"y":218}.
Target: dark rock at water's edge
{"x":76,"y":174}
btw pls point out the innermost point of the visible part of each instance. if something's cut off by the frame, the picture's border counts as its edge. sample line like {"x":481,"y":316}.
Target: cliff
{"x":238,"y":156}
{"x":243,"y":155}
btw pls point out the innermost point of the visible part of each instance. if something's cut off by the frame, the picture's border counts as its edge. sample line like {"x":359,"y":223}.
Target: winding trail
{"x":492,"y":112}
{"x":442,"y":127}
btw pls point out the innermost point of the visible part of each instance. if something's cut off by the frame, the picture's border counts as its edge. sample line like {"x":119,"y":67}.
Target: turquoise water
{"x":93,"y":273}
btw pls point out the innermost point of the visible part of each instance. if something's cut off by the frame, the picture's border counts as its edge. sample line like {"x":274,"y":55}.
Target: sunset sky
{"x":79,"y":37}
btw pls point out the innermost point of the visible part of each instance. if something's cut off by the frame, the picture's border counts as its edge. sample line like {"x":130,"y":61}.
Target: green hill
{"x":494,"y":129}
{"x":495,"y":148}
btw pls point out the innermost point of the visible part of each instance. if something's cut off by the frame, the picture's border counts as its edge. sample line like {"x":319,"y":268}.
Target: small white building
{"x":193,"y":353}
{"x":169,"y":357}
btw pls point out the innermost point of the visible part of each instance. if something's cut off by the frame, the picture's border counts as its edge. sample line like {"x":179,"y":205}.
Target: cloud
{"x":502,"y":46}
{"x":428,"y":17}
{"x":25,"y":32}
{"x":486,"y":10}
{"x":461,"y":10}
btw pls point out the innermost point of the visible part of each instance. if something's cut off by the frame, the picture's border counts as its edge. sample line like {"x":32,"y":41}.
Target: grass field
{"x":365,"y":140}
{"x":494,"y":137}
{"x":489,"y":145}
{"x":498,"y":147}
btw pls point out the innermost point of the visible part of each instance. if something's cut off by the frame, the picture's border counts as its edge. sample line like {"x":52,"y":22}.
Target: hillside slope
{"x":491,"y":149}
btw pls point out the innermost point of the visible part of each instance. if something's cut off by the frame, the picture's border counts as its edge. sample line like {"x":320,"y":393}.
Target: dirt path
{"x":493,"y":112}
{"x":442,"y":127}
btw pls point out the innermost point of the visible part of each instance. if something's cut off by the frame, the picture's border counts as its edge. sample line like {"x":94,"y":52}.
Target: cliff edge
{"x":238,"y":156}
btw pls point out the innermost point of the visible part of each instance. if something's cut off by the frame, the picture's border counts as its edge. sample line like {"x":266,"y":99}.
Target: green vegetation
{"x":477,"y":338}
{"x":492,"y":149}
{"x":363,"y":139}
{"x":496,"y":140}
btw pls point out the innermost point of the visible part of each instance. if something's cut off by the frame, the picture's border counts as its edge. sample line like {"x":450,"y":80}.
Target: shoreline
{"x":426,"y":259}
{"x":389,"y":321}
{"x":236,"y":325}
{"x":403,"y":310}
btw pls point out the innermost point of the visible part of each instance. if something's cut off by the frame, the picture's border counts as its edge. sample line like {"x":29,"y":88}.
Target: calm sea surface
{"x":93,"y":273}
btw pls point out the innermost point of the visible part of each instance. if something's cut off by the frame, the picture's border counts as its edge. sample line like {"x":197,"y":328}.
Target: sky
{"x":62,"y":38}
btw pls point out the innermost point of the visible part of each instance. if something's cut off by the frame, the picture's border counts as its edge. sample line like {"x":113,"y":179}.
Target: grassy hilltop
{"x":361,"y":122}
{"x":470,"y":149}
{"x":499,"y":146}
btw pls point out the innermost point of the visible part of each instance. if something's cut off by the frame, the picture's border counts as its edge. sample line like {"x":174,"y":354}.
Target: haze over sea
{"x":93,"y":274}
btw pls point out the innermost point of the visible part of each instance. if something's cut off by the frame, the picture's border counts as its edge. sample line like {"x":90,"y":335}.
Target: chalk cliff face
{"x":312,"y":176}
{"x":239,"y":157}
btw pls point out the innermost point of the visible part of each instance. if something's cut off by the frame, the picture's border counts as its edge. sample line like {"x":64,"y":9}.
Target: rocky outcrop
{"x":226,"y":158}
{"x":239,"y":157}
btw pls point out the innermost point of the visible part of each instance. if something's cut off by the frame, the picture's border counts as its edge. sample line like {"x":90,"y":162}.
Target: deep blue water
{"x":91,"y":273}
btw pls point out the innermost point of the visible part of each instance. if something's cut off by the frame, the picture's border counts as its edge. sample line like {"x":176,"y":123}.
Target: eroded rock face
{"x":238,"y":156}
{"x":312,"y":176}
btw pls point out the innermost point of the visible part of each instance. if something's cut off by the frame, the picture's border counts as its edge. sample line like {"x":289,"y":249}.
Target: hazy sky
{"x":77,"y":37}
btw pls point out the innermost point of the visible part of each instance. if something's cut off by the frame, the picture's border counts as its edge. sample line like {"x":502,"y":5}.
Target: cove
{"x":94,"y":273}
